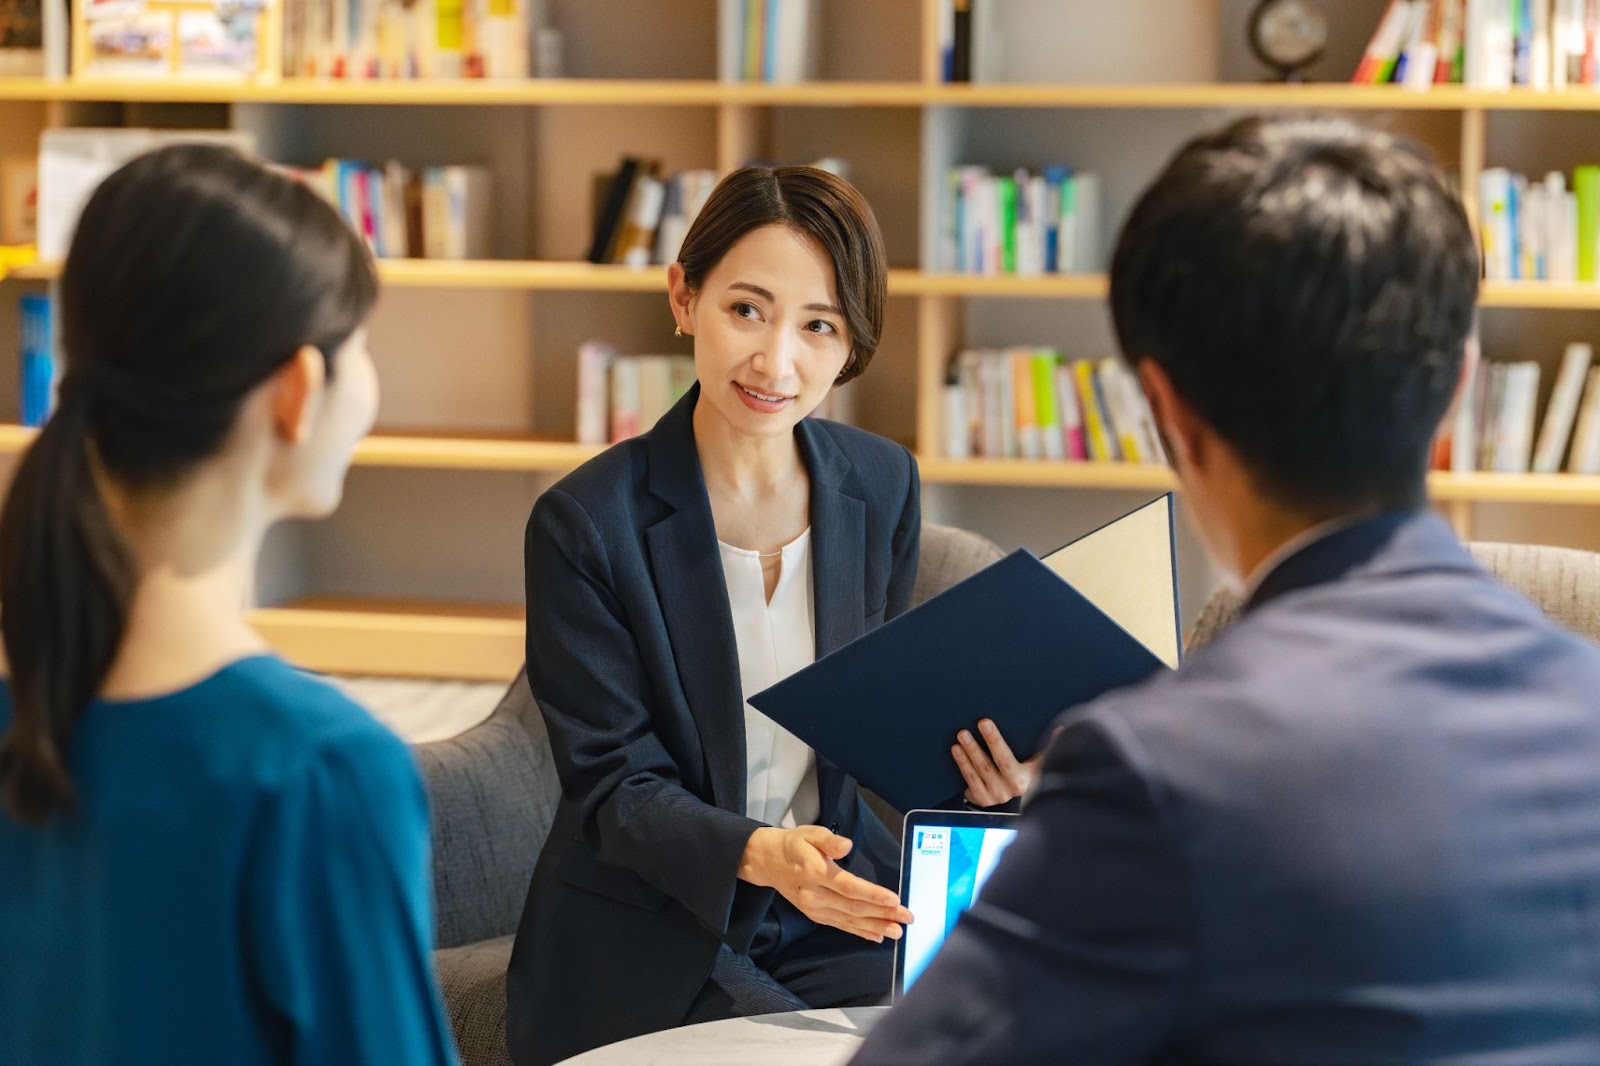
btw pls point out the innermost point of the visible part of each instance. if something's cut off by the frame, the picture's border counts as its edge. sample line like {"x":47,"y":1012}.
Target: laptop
{"x":945,"y":857}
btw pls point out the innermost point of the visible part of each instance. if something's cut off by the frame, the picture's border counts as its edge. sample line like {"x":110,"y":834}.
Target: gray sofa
{"x":493,"y":793}
{"x":1562,"y":582}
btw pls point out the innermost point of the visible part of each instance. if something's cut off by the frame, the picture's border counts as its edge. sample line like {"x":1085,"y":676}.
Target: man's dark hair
{"x":1308,"y":286}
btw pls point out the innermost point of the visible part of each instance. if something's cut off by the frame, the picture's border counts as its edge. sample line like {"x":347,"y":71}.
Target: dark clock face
{"x":1289,"y":33}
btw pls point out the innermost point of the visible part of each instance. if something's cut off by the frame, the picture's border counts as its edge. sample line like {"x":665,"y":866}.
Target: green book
{"x":1586,"y":183}
{"x":1006,"y":190}
{"x":1044,"y":401}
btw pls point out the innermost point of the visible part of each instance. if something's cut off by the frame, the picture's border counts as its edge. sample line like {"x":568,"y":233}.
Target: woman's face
{"x":769,"y":336}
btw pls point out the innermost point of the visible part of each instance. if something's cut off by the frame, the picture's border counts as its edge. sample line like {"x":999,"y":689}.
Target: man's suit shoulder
{"x":1332,"y":664}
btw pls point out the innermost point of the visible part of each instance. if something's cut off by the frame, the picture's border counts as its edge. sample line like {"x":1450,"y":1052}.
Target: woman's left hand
{"x":993,"y":775}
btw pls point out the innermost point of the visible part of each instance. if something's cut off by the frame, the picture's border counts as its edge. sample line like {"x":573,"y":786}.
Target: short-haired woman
{"x":704,"y":863}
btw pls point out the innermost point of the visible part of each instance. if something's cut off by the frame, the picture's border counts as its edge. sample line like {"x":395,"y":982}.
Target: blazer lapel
{"x":838,"y":576}
{"x":838,"y":543}
{"x":694,"y":601}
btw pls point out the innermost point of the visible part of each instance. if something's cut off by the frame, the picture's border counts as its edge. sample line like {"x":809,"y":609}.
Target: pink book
{"x":1069,"y":414}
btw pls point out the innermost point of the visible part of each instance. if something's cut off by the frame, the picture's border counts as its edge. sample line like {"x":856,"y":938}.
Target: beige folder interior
{"x":1127,"y":569}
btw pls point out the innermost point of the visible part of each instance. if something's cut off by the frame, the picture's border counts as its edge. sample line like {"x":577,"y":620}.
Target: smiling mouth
{"x":765,"y":397}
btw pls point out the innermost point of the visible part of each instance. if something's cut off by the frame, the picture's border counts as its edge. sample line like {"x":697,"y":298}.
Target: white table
{"x":803,"y":1038}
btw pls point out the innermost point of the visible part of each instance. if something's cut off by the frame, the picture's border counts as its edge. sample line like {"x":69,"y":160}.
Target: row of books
{"x":1540,"y":231}
{"x":1492,"y":426}
{"x":1021,"y":223}
{"x":437,"y":213}
{"x":641,"y":216}
{"x":1490,"y":44}
{"x":410,"y":38}
{"x":1034,"y":403}
{"x":769,"y":40}
{"x":621,"y":396}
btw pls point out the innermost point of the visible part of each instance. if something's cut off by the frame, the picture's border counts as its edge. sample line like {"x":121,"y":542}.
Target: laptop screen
{"x":945,"y":857}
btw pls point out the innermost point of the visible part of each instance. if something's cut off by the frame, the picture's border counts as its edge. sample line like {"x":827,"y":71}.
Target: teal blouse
{"x":243,"y":879}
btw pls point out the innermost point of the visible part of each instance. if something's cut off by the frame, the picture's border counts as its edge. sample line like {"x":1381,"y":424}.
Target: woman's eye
{"x":821,"y":326}
{"x":746,"y":310}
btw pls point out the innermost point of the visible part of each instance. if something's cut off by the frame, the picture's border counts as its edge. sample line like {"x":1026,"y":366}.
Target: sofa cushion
{"x":950,"y":556}
{"x":492,"y":792}
{"x":473,"y":979}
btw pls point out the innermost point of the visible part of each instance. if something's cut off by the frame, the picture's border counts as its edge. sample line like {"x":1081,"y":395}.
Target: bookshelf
{"x":476,"y":357}
{"x":597,"y":92}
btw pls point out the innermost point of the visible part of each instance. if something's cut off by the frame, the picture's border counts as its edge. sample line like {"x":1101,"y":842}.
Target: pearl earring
{"x":677,"y":331}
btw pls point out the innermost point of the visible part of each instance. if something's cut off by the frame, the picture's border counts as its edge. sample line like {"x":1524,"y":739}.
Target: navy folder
{"x":1014,"y":642}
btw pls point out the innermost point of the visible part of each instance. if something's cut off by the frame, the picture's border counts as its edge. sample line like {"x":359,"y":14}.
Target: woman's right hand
{"x":802,"y":865}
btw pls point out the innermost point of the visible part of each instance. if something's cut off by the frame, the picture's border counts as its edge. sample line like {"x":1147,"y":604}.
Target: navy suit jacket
{"x":1362,"y":826}
{"x":632,"y":657}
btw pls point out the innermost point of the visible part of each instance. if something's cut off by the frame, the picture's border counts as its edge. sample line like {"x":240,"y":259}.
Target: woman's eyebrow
{"x":767,"y":295}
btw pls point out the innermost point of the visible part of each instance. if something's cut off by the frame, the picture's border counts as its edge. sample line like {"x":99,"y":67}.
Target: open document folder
{"x":1018,"y":642}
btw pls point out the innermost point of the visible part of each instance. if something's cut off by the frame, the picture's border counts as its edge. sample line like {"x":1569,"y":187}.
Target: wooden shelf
{"x":1040,"y":474}
{"x":430,"y":452}
{"x":397,"y":638}
{"x":521,"y":274}
{"x":1544,"y":295}
{"x":1251,"y":96}
{"x":622,"y":92}
{"x":425,"y":452}
{"x":555,"y":276}
{"x":559,"y":276}
{"x":1514,"y":488}
{"x":706,"y":93}
{"x":1060,"y":286}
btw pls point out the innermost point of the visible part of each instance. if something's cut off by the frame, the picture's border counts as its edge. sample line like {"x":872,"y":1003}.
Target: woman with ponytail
{"x":205,"y":855}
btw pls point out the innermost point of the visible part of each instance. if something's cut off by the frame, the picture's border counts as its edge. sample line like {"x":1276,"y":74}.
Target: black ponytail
{"x":193,"y":276}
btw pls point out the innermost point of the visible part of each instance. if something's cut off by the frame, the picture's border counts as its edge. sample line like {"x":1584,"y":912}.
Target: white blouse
{"x":775,"y":639}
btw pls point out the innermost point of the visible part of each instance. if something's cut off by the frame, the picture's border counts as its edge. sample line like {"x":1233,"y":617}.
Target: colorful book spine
{"x":1044,"y":395}
{"x":1586,"y":185}
{"x":38,"y":359}
{"x":1021,"y":223}
{"x":1025,"y":405}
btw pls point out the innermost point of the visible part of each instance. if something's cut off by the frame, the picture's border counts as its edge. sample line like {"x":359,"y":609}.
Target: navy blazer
{"x":1362,"y":826}
{"x":632,"y":657}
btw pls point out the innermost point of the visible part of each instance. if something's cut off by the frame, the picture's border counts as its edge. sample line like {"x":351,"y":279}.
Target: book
{"x":205,"y":40}
{"x":38,"y":359}
{"x":625,"y":399}
{"x":1585,"y":457}
{"x":594,"y":400}
{"x":1563,"y":408}
{"x":1020,"y":642}
{"x":22,"y":33}
{"x":1383,"y":50}
{"x":1514,"y":421}
{"x":1024,"y":405}
{"x":19,"y":199}
{"x":1043,"y":366}
{"x":635,"y":242}
{"x":456,"y":223}
{"x":611,"y":208}
{"x":72,"y":162}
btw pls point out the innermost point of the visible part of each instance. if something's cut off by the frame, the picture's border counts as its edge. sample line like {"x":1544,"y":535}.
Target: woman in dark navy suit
{"x":704,"y":862}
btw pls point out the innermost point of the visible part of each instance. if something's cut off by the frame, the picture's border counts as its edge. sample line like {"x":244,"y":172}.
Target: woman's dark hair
{"x":821,"y":205}
{"x":194,"y":275}
{"x":1308,"y":286}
